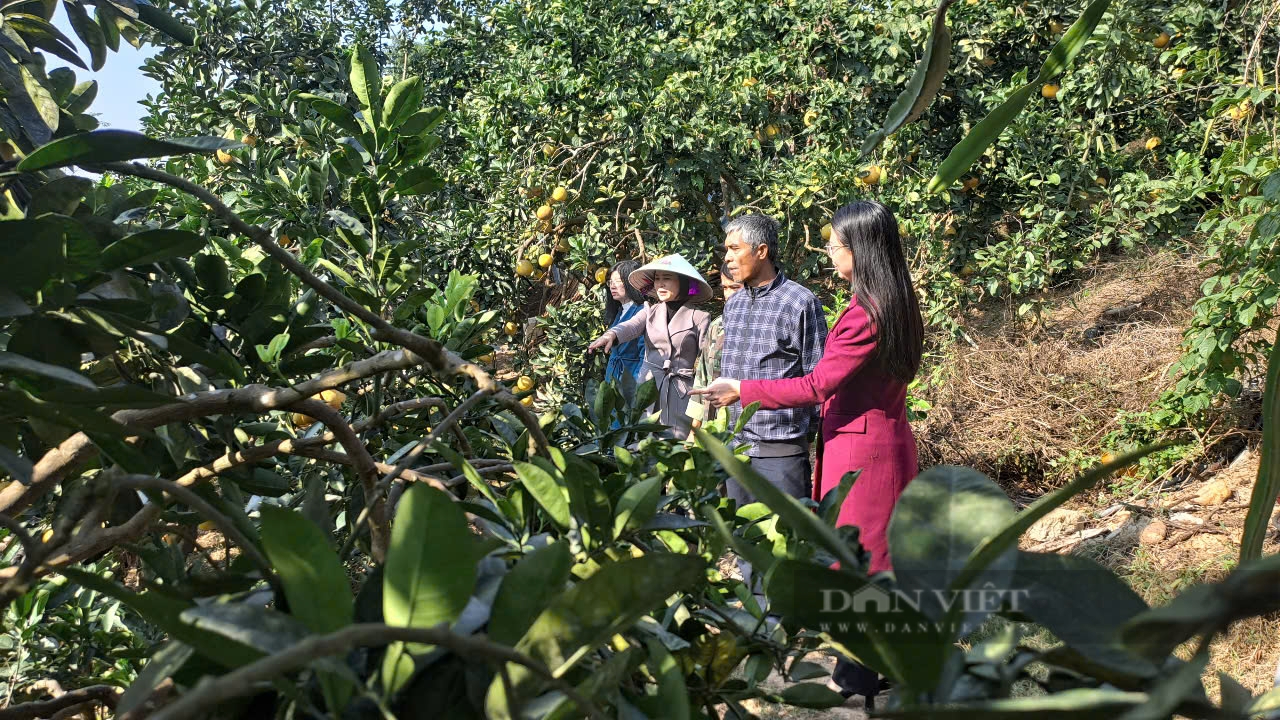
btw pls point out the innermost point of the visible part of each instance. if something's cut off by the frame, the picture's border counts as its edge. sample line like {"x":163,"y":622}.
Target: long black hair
{"x":882,"y":284}
{"x":613,"y":307}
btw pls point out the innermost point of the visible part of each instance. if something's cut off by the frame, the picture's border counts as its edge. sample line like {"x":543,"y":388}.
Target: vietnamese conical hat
{"x":642,"y":279}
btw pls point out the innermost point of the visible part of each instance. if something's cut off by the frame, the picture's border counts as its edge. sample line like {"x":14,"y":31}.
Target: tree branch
{"x":241,"y":681}
{"x":108,"y":695}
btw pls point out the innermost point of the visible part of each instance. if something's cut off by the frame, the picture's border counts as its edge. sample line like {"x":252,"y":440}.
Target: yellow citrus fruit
{"x":1162,"y":40}
{"x":608,"y":117}
{"x":511,"y":328}
{"x":826,"y":232}
{"x":949,"y":230}
{"x":47,"y":535}
{"x":524,"y":268}
{"x":208,"y":525}
{"x":810,"y":118}
{"x":675,"y":204}
{"x":562,"y":245}
{"x":1101,"y":180}
{"x":332,"y":398}
{"x":749,"y":82}
{"x":971,"y":183}
{"x":1178,"y":73}
{"x":527,"y":401}
{"x":1050,"y":90}
{"x":879,"y":28}
{"x":1055,"y":27}
{"x":1107,"y":458}
{"x":559,"y":195}
{"x":871,"y":175}
{"x":537,"y":275}
{"x":966,"y":271}
{"x":902,"y":230}
{"x":601,"y":274}
{"x":545,"y":260}
{"x":548,"y":149}
{"x":524,"y":384}
{"x":1153,"y":143}
{"x":285,"y":240}
{"x":771,"y":130}
{"x":709,"y":218}
{"x":250,"y":140}
{"x":971,"y":2}
{"x":224,"y":157}
{"x":544,"y":212}
{"x":302,"y":421}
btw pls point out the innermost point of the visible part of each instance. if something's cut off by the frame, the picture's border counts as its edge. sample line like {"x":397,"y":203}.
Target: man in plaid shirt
{"x":774,"y":328}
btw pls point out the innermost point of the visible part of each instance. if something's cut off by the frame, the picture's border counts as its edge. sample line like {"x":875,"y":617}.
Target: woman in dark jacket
{"x":871,"y":355}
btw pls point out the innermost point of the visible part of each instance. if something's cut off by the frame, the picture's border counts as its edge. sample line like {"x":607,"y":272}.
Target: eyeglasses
{"x":833,"y":247}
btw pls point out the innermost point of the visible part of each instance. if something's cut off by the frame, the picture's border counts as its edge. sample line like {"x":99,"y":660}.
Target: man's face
{"x":744,"y":261}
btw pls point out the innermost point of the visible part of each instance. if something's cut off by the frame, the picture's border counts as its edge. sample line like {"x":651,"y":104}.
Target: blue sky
{"x":120,"y":82}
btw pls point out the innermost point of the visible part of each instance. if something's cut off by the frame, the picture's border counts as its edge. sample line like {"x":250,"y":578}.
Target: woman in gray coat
{"x":673,"y":332}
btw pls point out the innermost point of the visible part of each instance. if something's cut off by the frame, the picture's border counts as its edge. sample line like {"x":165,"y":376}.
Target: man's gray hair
{"x":757,"y":230}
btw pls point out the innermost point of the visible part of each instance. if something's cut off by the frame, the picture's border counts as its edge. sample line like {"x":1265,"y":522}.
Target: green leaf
{"x":1267,"y":488}
{"x":37,"y":32}
{"x":1169,"y":693}
{"x":422,"y":122}
{"x":163,"y":664}
{"x":402,"y":101}
{"x":637,"y":506}
{"x":924,"y":84}
{"x":1074,"y":704}
{"x":333,"y":112}
{"x":800,"y":518}
{"x":546,"y":490}
{"x":980,"y":138}
{"x":1089,"y":623}
{"x":266,"y":631}
{"x":106,"y":19}
{"x":430,"y":573}
{"x":1007,"y":537}
{"x":1267,"y":702}
{"x":165,"y":23}
{"x":366,"y":82}
{"x":101,"y":146}
{"x":940,"y":518}
{"x":314,"y":581}
{"x":829,"y":508}
{"x":419,"y":181}
{"x":863,"y":617}
{"x":527,"y":590}
{"x":163,"y":612}
{"x":584,"y":617}
{"x":1073,"y":41}
{"x":22,"y":365}
{"x":88,"y":32}
{"x":26,"y":112}
{"x":150,"y":246}
{"x":672,"y":700}
{"x":810,"y":695}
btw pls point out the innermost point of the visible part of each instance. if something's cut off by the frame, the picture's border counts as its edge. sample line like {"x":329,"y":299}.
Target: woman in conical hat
{"x":673,"y":331}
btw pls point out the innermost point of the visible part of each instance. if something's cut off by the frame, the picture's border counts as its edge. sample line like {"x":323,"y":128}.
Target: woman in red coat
{"x":871,"y":355}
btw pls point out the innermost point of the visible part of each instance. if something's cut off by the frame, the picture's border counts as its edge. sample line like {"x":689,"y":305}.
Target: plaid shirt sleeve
{"x":813,"y":334}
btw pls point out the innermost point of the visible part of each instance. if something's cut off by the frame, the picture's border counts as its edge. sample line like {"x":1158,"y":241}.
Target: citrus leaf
{"x":402,"y":100}
{"x":810,"y":695}
{"x":1267,"y":488}
{"x":419,"y":181}
{"x":637,"y":506}
{"x":527,"y":590}
{"x":980,"y":138}
{"x":1074,"y":704}
{"x":430,"y":573}
{"x":100,"y":146}
{"x":334,"y":113}
{"x":165,"y":23}
{"x":422,"y":122}
{"x":1073,"y":41}
{"x":366,"y":82}
{"x":150,"y":246}
{"x":546,"y":490}
{"x":22,"y":365}
{"x":89,"y":32}
{"x":314,"y":582}
{"x":924,"y":83}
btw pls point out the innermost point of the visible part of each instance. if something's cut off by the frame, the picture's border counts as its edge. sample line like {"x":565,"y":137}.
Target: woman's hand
{"x":604,"y":342}
{"x":721,"y":393}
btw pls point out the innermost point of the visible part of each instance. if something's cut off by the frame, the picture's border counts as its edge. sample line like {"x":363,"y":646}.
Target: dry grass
{"x":1032,"y":392}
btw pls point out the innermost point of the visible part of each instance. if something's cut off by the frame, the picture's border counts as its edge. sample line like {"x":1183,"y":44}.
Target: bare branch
{"x":108,"y":695}
{"x":57,"y":464}
{"x":200,"y":505}
{"x":241,"y":681}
